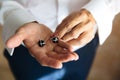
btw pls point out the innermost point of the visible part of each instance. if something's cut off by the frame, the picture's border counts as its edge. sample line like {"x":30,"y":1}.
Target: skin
{"x":52,"y":54}
{"x":77,"y":29}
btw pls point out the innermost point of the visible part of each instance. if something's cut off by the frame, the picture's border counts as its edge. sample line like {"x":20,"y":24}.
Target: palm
{"x":47,"y":55}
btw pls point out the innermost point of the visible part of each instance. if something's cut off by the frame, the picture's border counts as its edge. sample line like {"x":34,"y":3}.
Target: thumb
{"x":15,"y":40}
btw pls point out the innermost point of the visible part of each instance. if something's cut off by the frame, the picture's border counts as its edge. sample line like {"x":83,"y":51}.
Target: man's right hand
{"x":52,"y":54}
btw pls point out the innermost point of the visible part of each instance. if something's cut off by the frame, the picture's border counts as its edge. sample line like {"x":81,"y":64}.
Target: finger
{"x":61,"y":53}
{"x":60,"y":50}
{"x":43,"y":59}
{"x":15,"y":40}
{"x":75,"y":32}
{"x":64,"y":45}
{"x":49,"y":62}
{"x":83,"y":39}
{"x":78,"y":30}
{"x":69,"y":22}
{"x":64,"y":57}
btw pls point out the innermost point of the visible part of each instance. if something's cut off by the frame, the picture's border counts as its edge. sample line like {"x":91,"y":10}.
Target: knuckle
{"x":67,"y":25}
{"x":82,"y":41}
{"x":20,"y":30}
{"x":73,"y":34}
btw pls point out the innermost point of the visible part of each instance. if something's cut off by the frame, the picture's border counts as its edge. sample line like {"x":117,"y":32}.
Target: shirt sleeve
{"x":104,"y":12}
{"x":12,"y":16}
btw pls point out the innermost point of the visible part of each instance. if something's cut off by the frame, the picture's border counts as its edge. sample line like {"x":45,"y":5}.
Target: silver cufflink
{"x":41,"y":43}
{"x":55,"y":39}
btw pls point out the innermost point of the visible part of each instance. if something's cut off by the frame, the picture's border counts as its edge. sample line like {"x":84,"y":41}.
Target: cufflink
{"x":41,"y":43}
{"x":55,"y":39}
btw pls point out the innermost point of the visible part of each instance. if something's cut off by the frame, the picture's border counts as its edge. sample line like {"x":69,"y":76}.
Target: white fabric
{"x":103,"y":12}
{"x":15,"y":13}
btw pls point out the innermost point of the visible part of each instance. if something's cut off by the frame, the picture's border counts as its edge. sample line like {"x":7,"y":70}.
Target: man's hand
{"x":77,"y":29}
{"x":52,"y":54}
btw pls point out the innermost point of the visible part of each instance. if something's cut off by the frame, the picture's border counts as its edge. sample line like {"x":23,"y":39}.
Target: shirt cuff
{"x":13,"y":21}
{"x":103,"y":16}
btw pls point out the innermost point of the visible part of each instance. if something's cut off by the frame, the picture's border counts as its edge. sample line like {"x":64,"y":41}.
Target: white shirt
{"x":15,"y":13}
